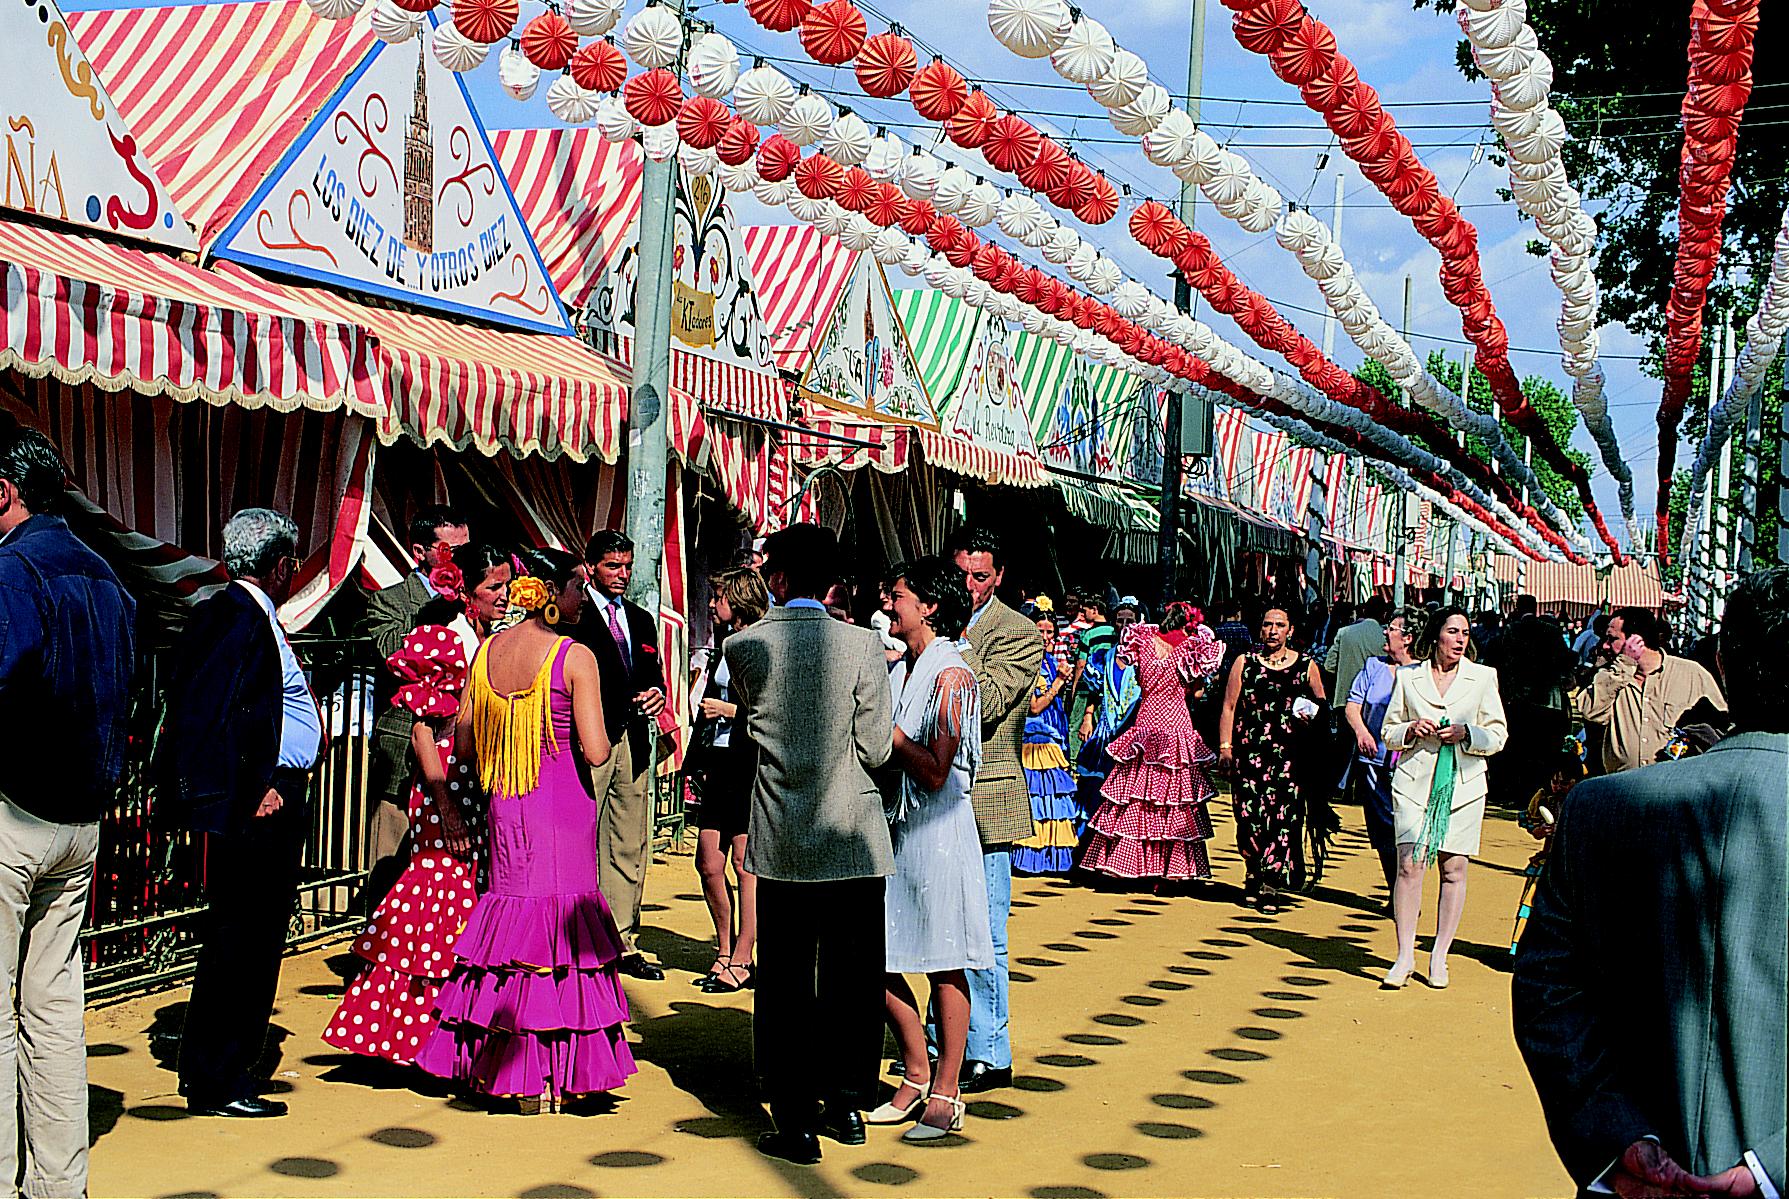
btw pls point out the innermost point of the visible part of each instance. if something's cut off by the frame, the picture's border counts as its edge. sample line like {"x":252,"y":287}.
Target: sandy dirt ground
{"x":1182,"y":1046}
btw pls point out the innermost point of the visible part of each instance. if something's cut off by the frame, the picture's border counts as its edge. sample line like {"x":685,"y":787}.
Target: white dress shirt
{"x":301,"y":723}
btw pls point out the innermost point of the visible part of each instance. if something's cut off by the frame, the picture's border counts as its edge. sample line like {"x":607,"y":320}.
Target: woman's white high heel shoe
{"x":931,"y":1132}
{"x":890,"y":1113}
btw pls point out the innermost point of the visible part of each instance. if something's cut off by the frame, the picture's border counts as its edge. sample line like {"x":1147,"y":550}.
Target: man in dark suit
{"x":241,"y":735}
{"x":1649,"y":989}
{"x":813,"y":693}
{"x":391,"y":613}
{"x":624,"y":638}
{"x":67,"y":652}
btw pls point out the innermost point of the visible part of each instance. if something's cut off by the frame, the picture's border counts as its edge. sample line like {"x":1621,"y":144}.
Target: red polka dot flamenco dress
{"x":388,"y":1011}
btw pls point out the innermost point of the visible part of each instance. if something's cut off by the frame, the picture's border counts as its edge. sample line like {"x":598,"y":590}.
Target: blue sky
{"x":1407,"y":55}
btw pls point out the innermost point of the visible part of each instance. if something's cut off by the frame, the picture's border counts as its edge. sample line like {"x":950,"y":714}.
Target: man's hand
{"x":270,"y":803}
{"x":1366,"y":744}
{"x":651,"y":703}
{"x":1646,"y":1171}
{"x":1632,"y":647}
{"x":718,"y":709}
{"x":1738,"y":1180}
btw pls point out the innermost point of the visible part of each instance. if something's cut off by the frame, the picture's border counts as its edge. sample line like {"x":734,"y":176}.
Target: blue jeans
{"x":989,"y":1038}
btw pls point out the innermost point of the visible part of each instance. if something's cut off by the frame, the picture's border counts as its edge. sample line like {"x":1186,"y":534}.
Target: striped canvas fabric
{"x":1075,"y":405}
{"x":942,"y":333}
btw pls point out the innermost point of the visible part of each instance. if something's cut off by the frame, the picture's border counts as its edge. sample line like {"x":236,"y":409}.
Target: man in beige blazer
{"x":814,"y":695}
{"x":1006,"y":654}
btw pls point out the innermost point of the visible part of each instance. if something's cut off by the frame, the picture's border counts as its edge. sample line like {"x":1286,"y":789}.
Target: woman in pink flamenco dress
{"x":534,"y":1009}
{"x":408,"y":946}
{"x":1152,"y":822}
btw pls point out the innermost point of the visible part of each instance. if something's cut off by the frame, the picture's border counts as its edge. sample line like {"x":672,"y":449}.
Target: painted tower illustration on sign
{"x":419,"y":169}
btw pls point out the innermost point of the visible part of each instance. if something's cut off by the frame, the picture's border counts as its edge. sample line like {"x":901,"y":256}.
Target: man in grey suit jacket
{"x":1006,"y":654}
{"x":814,"y":695}
{"x":1649,"y":990}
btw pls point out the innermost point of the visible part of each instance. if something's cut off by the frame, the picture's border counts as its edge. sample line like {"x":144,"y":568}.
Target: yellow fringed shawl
{"x":507,"y":729}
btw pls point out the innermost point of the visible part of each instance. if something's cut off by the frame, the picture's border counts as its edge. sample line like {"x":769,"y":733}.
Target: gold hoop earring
{"x":550,"y":613}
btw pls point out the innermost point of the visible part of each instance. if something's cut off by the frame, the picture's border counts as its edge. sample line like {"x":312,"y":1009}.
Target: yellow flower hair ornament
{"x":529,"y":593}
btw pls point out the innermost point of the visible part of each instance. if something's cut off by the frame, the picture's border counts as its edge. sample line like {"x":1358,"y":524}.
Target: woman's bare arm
{"x":587,"y":704}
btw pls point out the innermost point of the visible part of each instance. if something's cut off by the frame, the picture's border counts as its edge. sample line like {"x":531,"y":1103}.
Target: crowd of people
{"x":864,"y":796}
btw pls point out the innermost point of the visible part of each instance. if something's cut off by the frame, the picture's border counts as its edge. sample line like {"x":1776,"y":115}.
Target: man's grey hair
{"x":255,"y":539}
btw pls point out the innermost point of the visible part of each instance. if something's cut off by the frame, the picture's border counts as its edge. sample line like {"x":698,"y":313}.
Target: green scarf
{"x":1441,"y":805}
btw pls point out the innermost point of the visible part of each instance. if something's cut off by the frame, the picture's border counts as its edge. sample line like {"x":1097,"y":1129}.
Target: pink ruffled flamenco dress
{"x":408,"y":947}
{"x":534,"y":1008}
{"x":1152,"y":821}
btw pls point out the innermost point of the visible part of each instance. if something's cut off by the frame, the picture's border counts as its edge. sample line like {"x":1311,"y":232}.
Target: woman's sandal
{"x":892,"y":1113}
{"x":733,"y":977}
{"x":932,"y":1132}
{"x":715,"y":971}
{"x":1269,"y":904}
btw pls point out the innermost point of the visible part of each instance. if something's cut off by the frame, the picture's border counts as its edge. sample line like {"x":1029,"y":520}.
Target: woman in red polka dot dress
{"x":408,"y":947}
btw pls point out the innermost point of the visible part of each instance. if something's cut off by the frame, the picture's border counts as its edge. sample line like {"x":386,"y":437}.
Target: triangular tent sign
{"x":1078,"y":437}
{"x":864,"y":364}
{"x":392,"y":190}
{"x":69,"y":154}
{"x":988,"y":408}
{"x":1143,"y":455}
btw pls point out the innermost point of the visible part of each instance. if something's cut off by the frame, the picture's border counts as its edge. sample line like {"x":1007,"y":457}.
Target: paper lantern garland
{"x":518,"y":76}
{"x":599,"y":66}
{"x":833,"y":32}
{"x":653,"y":37}
{"x":484,"y":21}
{"x":549,"y":41}
{"x":886,"y":66}
{"x":653,"y":97}
{"x":938,"y":91}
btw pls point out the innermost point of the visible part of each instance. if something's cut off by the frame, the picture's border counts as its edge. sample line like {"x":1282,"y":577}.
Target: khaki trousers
{"x":45,"y":872}
{"x":623,"y":835}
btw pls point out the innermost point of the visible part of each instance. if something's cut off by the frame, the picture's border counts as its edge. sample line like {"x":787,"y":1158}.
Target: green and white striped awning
{"x":1080,"y":410}
{"x":942,"y":332}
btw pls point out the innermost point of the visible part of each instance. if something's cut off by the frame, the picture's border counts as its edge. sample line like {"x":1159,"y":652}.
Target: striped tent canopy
{"x":1635,"y":585}
{"x":800,"y":274}
{"x":1079,"y":409}
{"x":581,"y":196}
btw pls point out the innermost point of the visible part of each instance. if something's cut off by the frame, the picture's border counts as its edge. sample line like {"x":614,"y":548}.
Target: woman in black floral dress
{"x":1260,"y":735}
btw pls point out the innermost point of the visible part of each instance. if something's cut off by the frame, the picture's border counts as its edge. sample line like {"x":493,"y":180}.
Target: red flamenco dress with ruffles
{"x":408,"y":947}
{"x":534,"y":1007}
{"x":1152,"y":821}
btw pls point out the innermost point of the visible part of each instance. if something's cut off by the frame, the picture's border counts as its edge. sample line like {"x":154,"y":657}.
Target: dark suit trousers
{"x":251,"y":880}
{"x":818,"y":1015}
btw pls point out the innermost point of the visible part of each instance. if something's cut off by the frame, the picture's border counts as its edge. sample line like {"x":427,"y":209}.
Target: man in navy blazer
{"x":67,"y":651}
{"x":1649,"y":989}
{"x":241,"y":735}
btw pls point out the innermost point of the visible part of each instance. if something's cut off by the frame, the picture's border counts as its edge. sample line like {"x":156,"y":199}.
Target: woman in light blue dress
{"x":937,"y":904}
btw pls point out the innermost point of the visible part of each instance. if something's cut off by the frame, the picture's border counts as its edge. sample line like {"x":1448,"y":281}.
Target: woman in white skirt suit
{"x":1442,"y":704}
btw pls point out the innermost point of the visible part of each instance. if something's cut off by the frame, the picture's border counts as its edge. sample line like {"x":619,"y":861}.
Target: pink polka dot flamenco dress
{"x":388,"y":1011}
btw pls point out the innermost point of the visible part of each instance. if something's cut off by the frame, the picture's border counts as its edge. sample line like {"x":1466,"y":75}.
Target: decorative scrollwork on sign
{"x":459,"y":148}
{"x":77,"y":76}
{"x":519,"y":273}
{"x":117,"y":212}
{"x":265,"y":228}
{"x":366,"y":127}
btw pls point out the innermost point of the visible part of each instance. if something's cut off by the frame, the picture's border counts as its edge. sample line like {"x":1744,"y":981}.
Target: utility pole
{"x":1317,"y":513}
{"x":647,"y":441}
{"x":1402,"y":533}
{"x":1168,"y":545}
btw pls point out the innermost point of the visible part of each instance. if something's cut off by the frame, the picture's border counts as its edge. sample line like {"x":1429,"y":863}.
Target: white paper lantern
{"x":919,"y":179}
{"x":739,"y":178}
{"x":1261,"y":208}
{"x":592,"y":18}
{"x":847,"y":142}
{"x":1086,"y":52}
{"x":713,"y":65}
{"x":1299,"y":231}
{"x":953,"y":190}
{"x":1544,"y":143}
{"x":1080,"y":263}
{"x":1500,"y":62}
{"x":1029,"y":28}
{"x":518,"y":76}
{"x":937,"y":271}
{"x":1019,"y":216}
{"x":1494,"y":27}
{"x":653,"y":37}
{"x":1144,"y":113}
{"x":1063,"y":244}
{"x":887,"y":158}
{"x":1529,"y":86}
{"x":1173,"y":141}
{"x":914,"y":261}
{"x":659,"y":142}
{"x":807,"y":120}
{"x":698,"y":161}
{"x":763,"y":96}
{"x":980,"y":205}
{"x":1230,"y":182}
{"x":1046,"y":229}
{"x":1104,"y":277}
{"x":1121,"y":82}
{"x":393,"y":24}
{"x":890,"y":247}
{"x":774,"y":192}
{"x":832,"y":220}
{"x":803,"y":209}
{"x":613,"y":121}
{"x":335,"y":10}
{"x":455,"y":51}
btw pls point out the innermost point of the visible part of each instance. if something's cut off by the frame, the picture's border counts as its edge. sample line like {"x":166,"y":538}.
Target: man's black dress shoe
{"x":844,"y":1125}
{"x":802,"y":1148}
{"x":635,"y":966}
{"x":250,"y":1108}
{"x":979,"y":1076}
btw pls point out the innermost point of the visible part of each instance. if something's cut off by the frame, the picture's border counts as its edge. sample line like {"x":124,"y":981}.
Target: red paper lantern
{"x":987,"y":262}
{"x":777,"y":157}
{"x":417,"y":5}
{"x":1717,"y":69}
{"x":971,"y":123}
{"x":778,"y":16}
{"x":944,"y":232}
{"x":886,"y":65}
{"x":1725,"y":33}
{"x":1331,"y":86}
{"x":653,"y":97}
{"x":919,"y":217}
{"x":1266,"y":27}
{"x":599,"y":67}
{"x":738,"y":143}
{"x":889,"y":207}
{"x":1307,"y":54}
{"x":1102,"y":206}
{"x":1047,"y":171}
{"x":549,"y":41}
{"x":856,"y":190}
{"x":485,"y":21}
{"x":833,"y":32}
{"x":1150,"y":225}
{"x":1105,"y":321}
{"x":937,"y":91}
{"x":963,"y":253}
{"x":1076,"y":190}
{"x":1355,"y":113}
{"x":818,"y":177}
{"x":1011,"y":143}
{"x":1376,"y":145}
{"x":701,"y":122}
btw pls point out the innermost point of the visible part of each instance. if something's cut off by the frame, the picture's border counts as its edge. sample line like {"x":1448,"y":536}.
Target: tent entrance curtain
{"x":158,"y":477}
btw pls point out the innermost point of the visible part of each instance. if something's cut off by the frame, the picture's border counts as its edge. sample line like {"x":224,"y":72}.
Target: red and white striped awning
{"x":800,"y":274}
{"x":844,"y":442}
{"x":86,"y":310}
{"x":1635,"y":585}
{"x":580,"y":195}
{"x":990,"y":464}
